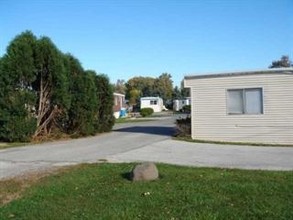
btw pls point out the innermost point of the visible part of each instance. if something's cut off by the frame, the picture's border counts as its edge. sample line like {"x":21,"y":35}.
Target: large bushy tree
{"x":17,"y":97}
{"x":43,"y":91}
{"x":163,"y":86}
{"x":145,"y":86}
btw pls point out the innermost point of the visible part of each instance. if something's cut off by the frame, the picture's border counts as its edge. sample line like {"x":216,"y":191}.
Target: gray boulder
{"x":145,"y":171}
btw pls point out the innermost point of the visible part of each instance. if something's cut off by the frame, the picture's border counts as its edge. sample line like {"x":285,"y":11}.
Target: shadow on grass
{"x":156,"y":130}
{"x":127,"y":175}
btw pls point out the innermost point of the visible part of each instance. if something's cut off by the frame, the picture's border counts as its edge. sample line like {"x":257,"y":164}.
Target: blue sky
{"x":127,"y":38}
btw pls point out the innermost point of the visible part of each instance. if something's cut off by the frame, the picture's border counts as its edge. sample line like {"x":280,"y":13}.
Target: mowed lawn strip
{"x":102,"y":191}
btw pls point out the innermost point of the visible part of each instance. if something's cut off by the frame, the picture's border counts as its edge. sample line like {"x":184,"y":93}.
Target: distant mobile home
{"x":156,"y":103}
{"x":119,"y":104}
{"x":247,"y":106}
{"x":178,"y":104}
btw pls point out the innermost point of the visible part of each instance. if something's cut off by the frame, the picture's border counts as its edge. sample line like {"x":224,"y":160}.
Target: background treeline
{"x":161,"y":86}
{"x":44,"y":92}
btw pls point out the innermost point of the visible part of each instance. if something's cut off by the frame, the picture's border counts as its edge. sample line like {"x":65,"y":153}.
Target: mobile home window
{"x":153,"y":102}
{"x":245,"y":101}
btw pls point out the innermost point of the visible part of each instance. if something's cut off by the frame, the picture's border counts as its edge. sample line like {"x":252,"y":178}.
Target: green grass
{"x":189,"y":139}
{"x":132,"y":120}
{"x":101,"y":191}
{"x":10,"y":145}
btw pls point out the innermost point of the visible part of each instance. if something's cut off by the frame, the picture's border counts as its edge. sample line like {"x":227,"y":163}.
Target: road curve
{"x":123,"y":138}
{"x":141,"y":141}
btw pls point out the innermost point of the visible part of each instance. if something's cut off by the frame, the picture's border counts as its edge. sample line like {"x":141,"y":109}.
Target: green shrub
{"x":183,"y":126}
{"x":17,"y":128}
{"x":186,"y":108}
{"x":144,"y":112}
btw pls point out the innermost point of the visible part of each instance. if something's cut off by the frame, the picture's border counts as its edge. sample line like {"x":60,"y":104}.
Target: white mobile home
{"x":248,"y":106}
{"x":178,"y":104}
{"x":156,"y":103}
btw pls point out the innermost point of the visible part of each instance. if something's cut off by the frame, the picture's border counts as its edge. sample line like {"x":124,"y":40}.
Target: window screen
{"x":235,"y":103}
{"x":245,"y":101}
{"x":253,"y":101}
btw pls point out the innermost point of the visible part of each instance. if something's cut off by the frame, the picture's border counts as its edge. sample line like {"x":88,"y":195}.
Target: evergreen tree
{"x":43,"y":91}
{"x":106,"y":119}
{"x":84,"y":102}
{"x":51,"y":86}
{"x":17,"y":98}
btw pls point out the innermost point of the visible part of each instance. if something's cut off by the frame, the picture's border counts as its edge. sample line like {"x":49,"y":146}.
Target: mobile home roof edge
{"x":150,"y":97}
{"x":287,"y":70}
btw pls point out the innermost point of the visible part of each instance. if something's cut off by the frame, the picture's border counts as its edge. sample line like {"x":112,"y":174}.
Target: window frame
{"x":244,"y":105}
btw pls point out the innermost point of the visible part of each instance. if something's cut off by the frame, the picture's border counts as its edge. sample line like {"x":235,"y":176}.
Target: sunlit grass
{"x":101,"y":191}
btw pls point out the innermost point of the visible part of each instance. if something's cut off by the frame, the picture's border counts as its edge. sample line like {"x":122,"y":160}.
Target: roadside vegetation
{"x":145,"y":112}
{"x":183,"y":127}
{"x":102,"y":191}
{"x":45,"y":93}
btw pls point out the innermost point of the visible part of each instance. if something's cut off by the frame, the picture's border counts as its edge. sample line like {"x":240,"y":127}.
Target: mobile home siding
{"x":210,"y":120}
{"x":145,"y":102}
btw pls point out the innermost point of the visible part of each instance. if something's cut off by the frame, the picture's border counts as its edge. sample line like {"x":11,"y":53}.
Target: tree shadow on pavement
{"x":156,"y":130}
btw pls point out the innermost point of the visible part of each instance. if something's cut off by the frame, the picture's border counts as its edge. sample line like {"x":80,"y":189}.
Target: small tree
{"x":283,"y":62}
{"x":134,"y":95}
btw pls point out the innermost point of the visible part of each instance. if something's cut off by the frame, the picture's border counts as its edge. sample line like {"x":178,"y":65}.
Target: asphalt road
{"x":124,"y":138}
{"x":143,"y":141}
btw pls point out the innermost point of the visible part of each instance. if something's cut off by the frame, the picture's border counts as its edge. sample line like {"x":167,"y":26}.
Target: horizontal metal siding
{"x":210,"y":119}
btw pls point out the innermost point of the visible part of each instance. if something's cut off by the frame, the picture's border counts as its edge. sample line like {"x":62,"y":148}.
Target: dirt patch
{"x":13,"y":188}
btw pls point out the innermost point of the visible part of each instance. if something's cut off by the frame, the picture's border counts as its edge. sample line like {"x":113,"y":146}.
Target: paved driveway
{"x":145,"y":141}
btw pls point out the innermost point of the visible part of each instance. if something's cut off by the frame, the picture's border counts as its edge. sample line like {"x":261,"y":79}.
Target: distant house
{"x":119,"y":104}
{"x":156,"y":103}
{"x":178,"y":104}
{"x":247,"y":106}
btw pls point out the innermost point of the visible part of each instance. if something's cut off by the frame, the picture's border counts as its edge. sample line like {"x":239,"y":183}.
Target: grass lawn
{"x":101,"y":191}
{"x":133,"y":120}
